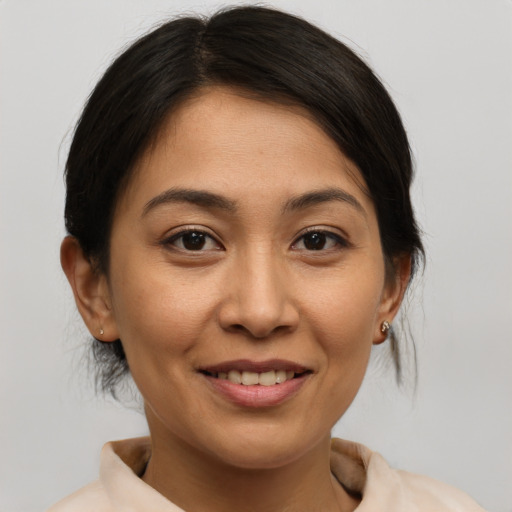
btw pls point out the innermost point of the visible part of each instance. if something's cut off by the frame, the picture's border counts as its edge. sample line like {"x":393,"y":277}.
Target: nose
{"x":258,"y":298}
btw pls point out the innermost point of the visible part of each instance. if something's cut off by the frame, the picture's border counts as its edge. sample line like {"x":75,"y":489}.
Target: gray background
{"x":448,"y":65}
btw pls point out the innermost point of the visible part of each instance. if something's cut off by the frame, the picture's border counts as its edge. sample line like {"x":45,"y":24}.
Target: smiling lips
{"x":251,"y":384}
{"x":247,"y":378}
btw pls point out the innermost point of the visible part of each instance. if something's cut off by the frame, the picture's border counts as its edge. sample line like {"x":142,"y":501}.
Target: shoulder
{"x":409,"y":491}
{"x":121,"y":462}
{"x":431,"y":494}
{"x":90,"y":497}
{"x":383,"y":488}
{"x":119,"y":486}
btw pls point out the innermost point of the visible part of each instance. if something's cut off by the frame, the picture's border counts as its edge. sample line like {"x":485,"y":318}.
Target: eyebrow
{"x":322,"y":196}
{"x":183,"y":195}
{"x":206,"y":199}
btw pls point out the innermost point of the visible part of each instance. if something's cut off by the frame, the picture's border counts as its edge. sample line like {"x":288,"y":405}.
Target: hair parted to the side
{"x":273,"y":55}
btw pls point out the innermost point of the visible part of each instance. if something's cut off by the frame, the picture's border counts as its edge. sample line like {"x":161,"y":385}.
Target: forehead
{"x":222,"y":140}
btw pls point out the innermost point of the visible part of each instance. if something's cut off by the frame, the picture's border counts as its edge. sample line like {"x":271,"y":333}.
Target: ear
{"x":398,"y":277}
{"x":91,"y":291}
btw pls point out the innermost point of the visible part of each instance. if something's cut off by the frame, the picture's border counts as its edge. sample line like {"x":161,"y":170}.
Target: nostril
{"x":256,"y":333}
{"x":257,"y":321}
{"x":240,"y":328}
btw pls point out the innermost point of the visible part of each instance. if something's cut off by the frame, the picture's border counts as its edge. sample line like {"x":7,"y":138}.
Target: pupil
{"x":193,"y":241}
{"x":314,"y":241}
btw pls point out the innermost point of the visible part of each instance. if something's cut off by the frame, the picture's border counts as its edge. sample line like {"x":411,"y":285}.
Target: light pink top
{"x":383,"y":489}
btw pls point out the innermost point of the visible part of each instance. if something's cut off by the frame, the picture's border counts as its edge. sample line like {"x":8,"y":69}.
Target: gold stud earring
{"x":384,"y":327}
{"x":101,"y":332}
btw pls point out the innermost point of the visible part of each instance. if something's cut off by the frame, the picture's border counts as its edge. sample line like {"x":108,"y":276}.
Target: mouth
{"x":257,"y":383}
{"x":248,"y":378}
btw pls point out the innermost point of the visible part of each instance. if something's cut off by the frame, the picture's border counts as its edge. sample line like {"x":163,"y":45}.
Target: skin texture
{"x":255,"y":291}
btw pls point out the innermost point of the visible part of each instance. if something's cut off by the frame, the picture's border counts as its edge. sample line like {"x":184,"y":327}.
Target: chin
{"x":264,"y":450}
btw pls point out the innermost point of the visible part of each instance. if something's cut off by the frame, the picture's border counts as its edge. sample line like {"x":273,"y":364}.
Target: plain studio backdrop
{"x":448,"y":65}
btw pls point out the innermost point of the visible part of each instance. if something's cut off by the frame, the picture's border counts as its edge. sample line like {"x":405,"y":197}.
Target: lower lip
{"x":257,"y":395}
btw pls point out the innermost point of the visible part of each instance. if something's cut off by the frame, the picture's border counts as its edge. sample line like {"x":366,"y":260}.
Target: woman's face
{"x":245,"y":248}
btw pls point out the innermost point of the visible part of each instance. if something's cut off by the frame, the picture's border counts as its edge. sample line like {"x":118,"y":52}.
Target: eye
{"x":193,"y":240}
{"x":318,"y":240}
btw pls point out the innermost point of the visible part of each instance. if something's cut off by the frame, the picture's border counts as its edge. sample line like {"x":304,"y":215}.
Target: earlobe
{"x":90,"y":289}
{"x":392,"y":296}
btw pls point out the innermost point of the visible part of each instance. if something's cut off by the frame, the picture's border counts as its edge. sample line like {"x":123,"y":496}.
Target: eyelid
{"x":180,"y":231}
{"x":340,"y":238}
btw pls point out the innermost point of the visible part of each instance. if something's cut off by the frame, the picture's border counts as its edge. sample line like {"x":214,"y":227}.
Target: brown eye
{"x":314,"y":241}
{"x":319,"y":241}
{"x":193,"y":240}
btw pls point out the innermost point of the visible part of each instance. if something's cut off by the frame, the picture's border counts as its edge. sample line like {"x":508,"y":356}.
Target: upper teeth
{"x":251,"y":378}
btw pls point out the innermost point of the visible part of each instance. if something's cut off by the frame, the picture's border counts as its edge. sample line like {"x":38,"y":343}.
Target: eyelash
{"x":171,"y":240}
{"x":339,"y":241}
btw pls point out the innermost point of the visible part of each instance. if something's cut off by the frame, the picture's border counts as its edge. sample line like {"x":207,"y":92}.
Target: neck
{"x":196,"y":481}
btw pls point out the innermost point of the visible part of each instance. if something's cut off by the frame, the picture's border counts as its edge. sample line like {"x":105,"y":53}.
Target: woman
{"x":240,"y":235}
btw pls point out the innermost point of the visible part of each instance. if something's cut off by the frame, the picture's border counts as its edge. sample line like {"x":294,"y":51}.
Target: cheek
{"x":158,"y":311}
{"x":346,"y":306}
{"x":343,"y":318}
